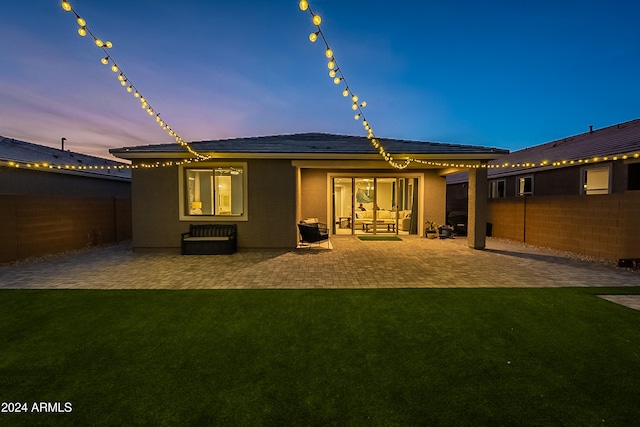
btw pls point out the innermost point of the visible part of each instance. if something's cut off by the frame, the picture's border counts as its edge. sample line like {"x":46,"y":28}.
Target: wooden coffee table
{"x":369,"y":226}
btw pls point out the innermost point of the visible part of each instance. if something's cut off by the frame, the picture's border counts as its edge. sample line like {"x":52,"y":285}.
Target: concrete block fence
{"x":33,"y":226}
{"x":600,"y":226}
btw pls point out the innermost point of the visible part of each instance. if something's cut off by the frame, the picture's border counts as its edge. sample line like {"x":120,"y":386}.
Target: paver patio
{"x":413,"y":262}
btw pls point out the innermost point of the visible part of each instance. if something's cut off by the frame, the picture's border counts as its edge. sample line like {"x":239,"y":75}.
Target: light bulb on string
{"x":83,"y":31}
{"x":333,"y":73}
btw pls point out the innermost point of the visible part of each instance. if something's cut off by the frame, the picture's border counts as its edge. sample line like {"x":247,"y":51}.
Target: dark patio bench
{"x":210,"y":239}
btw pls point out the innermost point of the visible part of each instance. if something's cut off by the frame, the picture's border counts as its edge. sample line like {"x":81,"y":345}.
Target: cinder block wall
{"x":601,"y":226}
{"x":34,"y":226}
{"x":507,"y":217}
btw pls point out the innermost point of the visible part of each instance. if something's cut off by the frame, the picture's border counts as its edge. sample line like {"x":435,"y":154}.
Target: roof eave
{"x":138,"y":155}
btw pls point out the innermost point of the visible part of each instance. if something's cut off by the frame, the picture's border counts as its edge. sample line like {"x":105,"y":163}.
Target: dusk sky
{"x":505,"y":74}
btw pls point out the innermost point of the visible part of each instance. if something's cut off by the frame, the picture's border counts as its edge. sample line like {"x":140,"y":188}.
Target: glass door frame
{"x":331,"y":201}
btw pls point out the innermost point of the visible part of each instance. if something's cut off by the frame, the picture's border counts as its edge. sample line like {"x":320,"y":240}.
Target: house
{"x":53,"y":200}
{"x":579,"y":193}
{"x":266,"y":185}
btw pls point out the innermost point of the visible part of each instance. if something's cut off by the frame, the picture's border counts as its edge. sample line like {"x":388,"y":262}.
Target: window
{"x":214,"y":191}
{"x":525,"y":186}
{"x":498,"y":189}
{"x":634,"y":176}
{"x":595,"y":180}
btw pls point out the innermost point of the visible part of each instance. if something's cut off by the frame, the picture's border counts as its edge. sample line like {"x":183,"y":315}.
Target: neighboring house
{"x":53,"y":201}
{"x":578,"y":193}
{"x":266,"y":185}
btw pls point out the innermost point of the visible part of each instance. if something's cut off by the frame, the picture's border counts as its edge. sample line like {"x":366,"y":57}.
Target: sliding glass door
{"x":374,"y":205}
{"x":342,"y":205}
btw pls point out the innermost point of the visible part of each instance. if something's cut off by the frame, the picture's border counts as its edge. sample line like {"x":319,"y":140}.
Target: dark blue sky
{"x":494,"y":73}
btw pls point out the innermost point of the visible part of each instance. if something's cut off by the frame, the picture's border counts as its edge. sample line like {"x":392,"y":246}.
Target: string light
{"x":338,"y":78}
{"x":334,"y":73}
{"x":126,"y":82}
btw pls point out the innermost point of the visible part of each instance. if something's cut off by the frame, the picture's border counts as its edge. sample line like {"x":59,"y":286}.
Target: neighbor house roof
{"x":617,"y":140}
{"x":27,"y":155}
{"x":312,"y":145}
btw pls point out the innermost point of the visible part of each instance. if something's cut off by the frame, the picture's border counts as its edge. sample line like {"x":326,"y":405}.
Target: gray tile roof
{"x":314,"y":143}
{"x":623,"y":138}
{"x":13,"y":150}
{"x":619,"y":139}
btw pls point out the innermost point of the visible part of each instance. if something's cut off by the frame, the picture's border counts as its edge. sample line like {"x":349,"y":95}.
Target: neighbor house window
{"x":633,"y":176}
{"x":497,"y":189}
{"x":218,"y":191}
{"x":595,"y":180}
{"x":525,"y":185}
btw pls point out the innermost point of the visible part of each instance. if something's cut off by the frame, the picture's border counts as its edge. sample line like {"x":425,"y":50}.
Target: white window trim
{"x":495,"y":182}
{"x":593,"y":168}
{"x":213,"y":218}
{"x":518,"y":185}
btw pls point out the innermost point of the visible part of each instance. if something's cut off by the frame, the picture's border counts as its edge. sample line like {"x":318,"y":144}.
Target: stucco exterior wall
{"x":435,"y":196}
{"x":565,"y":180}
{"x":155,"y":208}
{"x":271,"y":207}
{"x":315,"y":194}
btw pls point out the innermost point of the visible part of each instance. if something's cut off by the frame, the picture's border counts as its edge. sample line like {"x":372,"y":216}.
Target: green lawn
{"x":321,"y":357}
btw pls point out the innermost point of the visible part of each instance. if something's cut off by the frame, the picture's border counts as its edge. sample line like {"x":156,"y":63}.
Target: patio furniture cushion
{"x":210,"y":239}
